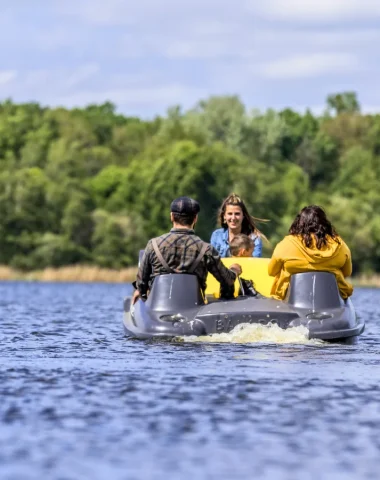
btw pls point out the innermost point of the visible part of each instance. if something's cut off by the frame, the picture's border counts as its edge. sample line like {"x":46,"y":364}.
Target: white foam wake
{"x":256,"y":333}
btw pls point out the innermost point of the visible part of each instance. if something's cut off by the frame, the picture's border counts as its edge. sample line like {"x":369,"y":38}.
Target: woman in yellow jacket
{"x":313,"y":245}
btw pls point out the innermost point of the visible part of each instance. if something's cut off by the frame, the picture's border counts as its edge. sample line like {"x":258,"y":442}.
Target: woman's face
{"x":233,"y":217}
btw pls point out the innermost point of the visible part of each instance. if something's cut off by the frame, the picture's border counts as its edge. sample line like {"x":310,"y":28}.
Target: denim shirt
{"x":219,"y":240}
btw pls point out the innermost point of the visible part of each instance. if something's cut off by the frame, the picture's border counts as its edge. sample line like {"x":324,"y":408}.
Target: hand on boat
{"x":135,"y":297}
{"x":235,"y":267}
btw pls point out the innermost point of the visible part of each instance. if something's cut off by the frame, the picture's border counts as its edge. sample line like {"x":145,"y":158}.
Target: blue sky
{"x":148,"y":55}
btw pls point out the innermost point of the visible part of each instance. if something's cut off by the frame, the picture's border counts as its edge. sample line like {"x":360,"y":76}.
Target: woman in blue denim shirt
{"x":234,"y":219}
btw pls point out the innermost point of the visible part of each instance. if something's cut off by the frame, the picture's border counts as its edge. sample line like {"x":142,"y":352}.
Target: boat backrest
{"x":175,"y":291}
{"x":315,"y":290}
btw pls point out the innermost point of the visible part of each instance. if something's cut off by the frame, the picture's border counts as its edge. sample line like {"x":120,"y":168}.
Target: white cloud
{"x":160,"y":51}
{"x":132,"y":92}
{"x":313,"y":11}
{"x":50,"y":39}
{"x":81,"y":74}
{"x":313,"y":65}
{"x":215,"y":27}
{"x":119,"y":12}
{"x":204,"y":48}
{"x":37,"y":78}
{"x":152,"y":14}
{"x":58,"y":78}
{"x":344,"y":39}
{"x":6,"y":76}
{"x":164,"y":95}
{"x":68,"y":81}
{"x":97,"y":12}
{"x":238,"y":43}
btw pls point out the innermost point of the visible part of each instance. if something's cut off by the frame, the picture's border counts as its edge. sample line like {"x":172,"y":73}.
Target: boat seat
{"x":315,"y":290}
{"x":175,"y":291}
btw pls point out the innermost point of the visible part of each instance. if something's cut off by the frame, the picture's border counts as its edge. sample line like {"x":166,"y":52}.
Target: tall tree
{"x":346,"y":102}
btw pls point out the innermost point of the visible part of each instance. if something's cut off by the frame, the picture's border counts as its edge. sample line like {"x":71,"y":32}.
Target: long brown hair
{"x":313,"y":222}
{"x":248,"y":225}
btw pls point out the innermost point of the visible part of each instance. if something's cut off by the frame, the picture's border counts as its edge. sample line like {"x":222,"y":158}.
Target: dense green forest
{"x":91,"y":186}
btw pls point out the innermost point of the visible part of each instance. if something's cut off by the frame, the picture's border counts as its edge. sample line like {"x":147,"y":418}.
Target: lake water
{"x":79,"y":400}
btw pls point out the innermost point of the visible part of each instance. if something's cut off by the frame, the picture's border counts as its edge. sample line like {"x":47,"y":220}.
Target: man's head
{"x":184,"y":211}
{"x":242,"y":246}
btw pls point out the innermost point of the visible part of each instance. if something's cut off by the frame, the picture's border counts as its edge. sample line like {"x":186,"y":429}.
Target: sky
{"x":148,"y":55}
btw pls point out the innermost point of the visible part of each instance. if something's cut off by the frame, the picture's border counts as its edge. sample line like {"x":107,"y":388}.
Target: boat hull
{"x":175,"y":309}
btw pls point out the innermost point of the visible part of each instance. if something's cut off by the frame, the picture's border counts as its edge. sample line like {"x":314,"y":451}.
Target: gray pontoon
{"x":176,"y":307}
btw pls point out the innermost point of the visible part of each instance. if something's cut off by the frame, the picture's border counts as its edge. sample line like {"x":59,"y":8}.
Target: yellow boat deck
{"x":255,"y":269}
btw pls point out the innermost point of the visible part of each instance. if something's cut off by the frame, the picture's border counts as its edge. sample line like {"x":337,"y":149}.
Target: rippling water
{"x":81,"y":401}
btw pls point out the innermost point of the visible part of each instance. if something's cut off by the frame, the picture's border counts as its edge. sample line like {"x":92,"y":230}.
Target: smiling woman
{"x":235,"y":219}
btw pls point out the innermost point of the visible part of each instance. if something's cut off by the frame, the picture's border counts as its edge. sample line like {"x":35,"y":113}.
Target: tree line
{"x":91,"y":186}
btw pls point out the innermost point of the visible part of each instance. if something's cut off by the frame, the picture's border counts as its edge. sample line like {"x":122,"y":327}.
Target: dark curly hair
{"x":313,"y":222}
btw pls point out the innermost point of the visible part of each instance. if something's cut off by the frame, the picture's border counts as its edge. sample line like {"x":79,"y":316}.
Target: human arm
{"x":219,"y":242}
{"x":135,"y":297}
{"x":144,"y":272}
{"x":347,"y":267}
{"x":275,"y":264}
{"x":235,"y":267}
{"x":225,"y":276}
{"x":214,"y":237}
{"x":257,"y":251}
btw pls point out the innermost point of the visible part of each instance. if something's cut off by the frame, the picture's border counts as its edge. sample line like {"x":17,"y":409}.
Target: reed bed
{"x":7,"y":273}
{"x":89,"y":273}
{"x":73,"y":273}
{"x":372,"y":280}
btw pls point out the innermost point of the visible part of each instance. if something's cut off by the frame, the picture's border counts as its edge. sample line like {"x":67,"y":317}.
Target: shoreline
{"x":73,"y":273}
{"x":93,"y":274}
{"x":366,"y":281}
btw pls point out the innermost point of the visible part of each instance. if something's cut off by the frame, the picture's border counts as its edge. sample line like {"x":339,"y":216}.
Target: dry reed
{"x":372,"y":280}
{"x":7,"y":273}
{"x":87,"y":273}
{"x":73,"y":273}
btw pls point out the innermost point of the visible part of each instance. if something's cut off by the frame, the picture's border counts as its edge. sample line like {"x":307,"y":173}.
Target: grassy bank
{"x":85,"y":273}
{"x":75,"y":273}
{"x":372,"y":280}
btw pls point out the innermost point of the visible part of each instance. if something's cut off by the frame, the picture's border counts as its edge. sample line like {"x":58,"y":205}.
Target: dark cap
{"x":185,"y":206}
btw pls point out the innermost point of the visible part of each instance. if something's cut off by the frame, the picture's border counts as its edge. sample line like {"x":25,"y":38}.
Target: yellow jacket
{"x":292,"y":256}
